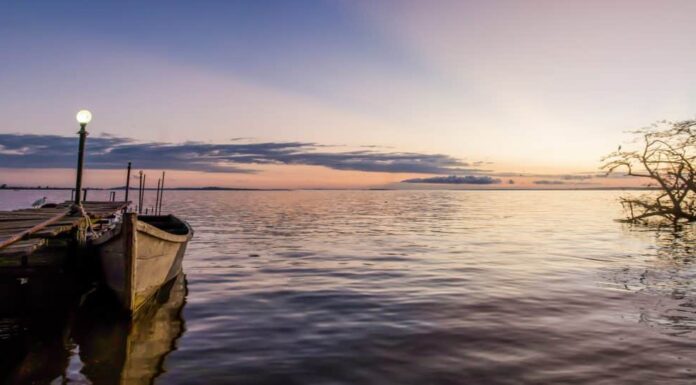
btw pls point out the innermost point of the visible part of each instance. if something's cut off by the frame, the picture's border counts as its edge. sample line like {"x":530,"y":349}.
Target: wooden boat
{"x":144,"y":253}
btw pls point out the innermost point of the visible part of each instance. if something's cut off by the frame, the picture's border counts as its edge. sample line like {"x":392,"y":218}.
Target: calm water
{"x":402,"y":287}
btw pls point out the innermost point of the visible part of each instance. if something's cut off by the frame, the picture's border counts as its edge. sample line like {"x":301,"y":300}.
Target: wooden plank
{"x":35,"y":210}
{"x":21,"y":248}
{"x":5,"y":220}
{"x":130,"y":254}
{"x":18,"y":214}
{"x":32,"y":222}
{"x":24,"y":244}
{"x":50,"y":257}
{"x":32,"y":212}
{"x":10,"y":261}
{"x":33,"y":229}
{"x":52,"y":231}
{"x":21,"y":226}
{"x":103,"y":212}
{"x":39,"y":211}
{"x":48,"y":222}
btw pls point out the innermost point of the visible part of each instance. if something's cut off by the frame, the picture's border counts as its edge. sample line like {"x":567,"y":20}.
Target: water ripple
{"x":439,"y":287}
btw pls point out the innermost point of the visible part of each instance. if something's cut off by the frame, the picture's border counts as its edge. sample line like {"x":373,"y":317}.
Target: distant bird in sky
{"x":39,"y":202}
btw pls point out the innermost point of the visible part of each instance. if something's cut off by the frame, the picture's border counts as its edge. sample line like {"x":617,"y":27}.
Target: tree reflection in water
{"x":94,"y":342}
{"x":665,"y":280}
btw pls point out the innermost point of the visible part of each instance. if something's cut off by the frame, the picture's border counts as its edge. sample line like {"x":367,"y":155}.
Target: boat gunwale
{"x":156,"y":232}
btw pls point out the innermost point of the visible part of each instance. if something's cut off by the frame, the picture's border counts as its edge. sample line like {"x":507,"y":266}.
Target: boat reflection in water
{"x":99,"y":345}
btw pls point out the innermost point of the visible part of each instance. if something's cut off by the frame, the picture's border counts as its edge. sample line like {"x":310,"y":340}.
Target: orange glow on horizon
{"x":299,"y":177}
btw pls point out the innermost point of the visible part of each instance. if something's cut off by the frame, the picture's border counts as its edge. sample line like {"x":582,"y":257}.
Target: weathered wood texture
{"x":23,"y":232}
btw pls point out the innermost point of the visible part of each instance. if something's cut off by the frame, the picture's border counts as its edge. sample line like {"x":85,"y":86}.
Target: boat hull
{"x":141,"y":258}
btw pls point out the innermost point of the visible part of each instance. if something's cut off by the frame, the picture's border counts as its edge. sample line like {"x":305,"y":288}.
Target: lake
{"x":391,"y":287}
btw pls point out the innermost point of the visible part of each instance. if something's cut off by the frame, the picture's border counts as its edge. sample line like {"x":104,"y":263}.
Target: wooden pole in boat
{"x":84,"y":195}
{"x":127,"y":182}
{"x":159,"y":208}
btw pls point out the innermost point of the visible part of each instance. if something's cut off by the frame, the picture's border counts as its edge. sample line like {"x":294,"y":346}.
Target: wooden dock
{"x":27,"y":231}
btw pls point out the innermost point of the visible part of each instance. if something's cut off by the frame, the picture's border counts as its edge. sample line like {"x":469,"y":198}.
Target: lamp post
{"x":83,"y":117}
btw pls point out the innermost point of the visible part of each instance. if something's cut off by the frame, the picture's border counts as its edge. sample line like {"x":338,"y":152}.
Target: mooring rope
{"x":86,"y":229}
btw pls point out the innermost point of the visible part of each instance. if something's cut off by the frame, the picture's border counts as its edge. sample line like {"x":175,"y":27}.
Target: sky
{"x":322,"y":94}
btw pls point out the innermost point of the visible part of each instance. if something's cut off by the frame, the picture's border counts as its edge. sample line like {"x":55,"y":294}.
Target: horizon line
{"x":220,"y":188}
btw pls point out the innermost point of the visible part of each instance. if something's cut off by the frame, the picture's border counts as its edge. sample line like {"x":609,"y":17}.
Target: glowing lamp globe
{"x":84,"y":117}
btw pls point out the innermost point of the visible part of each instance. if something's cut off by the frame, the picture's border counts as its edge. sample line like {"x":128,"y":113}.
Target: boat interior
{"x":168,"y":223}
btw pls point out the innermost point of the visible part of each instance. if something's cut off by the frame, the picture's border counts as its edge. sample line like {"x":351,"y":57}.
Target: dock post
{"x":157,"y":196}
{"x":84,"y":195}
{"x":140,"y":193}
{"x":159,"y":208}
{"x":127,"y":182}
{"x":142,"y":197}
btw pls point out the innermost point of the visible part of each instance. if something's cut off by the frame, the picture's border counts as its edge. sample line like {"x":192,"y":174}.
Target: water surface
{"x":418,"y":287}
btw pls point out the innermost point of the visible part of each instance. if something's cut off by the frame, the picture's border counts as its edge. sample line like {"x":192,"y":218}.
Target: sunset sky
{"x":291,"y":94}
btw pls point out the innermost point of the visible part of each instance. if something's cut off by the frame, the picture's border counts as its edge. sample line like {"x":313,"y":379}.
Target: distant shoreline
{"x":135,"y":188}
{"x":22,"y":188}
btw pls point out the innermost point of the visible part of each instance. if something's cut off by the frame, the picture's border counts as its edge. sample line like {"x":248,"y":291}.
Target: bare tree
{"x":664,"y":154}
